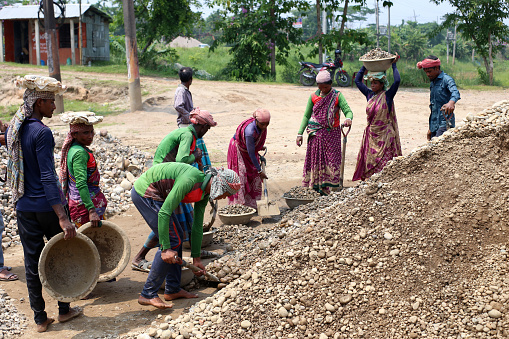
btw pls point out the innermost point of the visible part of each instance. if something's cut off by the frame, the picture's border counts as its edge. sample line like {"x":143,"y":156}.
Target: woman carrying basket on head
{"x":380,"y":142}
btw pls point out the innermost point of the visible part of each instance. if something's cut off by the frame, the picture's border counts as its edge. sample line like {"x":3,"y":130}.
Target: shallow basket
{"x":113,"y":246}
{"x":185,"y":278}
{"x":294,"y":202}
{"x":236,"y":219}
{"x":207,"y":239}
{"x":379,"y":65}
{"x":69,"y":269}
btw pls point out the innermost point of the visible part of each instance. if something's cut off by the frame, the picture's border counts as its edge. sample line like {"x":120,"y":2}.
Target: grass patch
{"x":77,"y":106}
{"x":8,"y":111}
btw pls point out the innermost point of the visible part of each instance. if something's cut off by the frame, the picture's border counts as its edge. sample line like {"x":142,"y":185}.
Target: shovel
{"x":264,"y":208}
{"x":207,"y":226}
{"x":193,"y":268}
{"x":343,"y":153}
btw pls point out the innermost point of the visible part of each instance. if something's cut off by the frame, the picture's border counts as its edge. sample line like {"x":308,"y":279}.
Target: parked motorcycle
{"x":309,"y":70}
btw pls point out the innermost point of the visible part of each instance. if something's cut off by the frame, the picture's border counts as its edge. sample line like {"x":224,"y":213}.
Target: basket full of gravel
{"x":299,"y":195}
{"x":377,"y":60}
{"x":236,"y":214}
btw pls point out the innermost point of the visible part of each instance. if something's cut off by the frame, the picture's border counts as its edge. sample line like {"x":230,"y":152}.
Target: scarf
{"x":223,"y":180}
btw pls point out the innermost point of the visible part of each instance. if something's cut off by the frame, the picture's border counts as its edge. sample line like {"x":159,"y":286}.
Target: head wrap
{"x":201,"y":117}
{"x":428,"y":63}
{"x":323,"y":77}
{"x":379,"y":76}
{"x":223,"y":180}
{"x":262,"y":115}
{"x":78,"y":122}
{"x":36,"y":87}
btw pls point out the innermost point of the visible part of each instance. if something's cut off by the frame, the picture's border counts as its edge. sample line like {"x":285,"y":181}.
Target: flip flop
{"x":143,"y":266}
{"x":9,"y":276}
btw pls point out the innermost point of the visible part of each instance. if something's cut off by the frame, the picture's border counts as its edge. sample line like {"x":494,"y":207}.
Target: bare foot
{"x":156,"y":302}
{"x":180,"y":294}
{"x":73,"y":313}
{"x":44,"y":326}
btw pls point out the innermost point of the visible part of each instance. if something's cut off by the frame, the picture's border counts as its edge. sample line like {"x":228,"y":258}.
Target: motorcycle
{"x":309,"y":70}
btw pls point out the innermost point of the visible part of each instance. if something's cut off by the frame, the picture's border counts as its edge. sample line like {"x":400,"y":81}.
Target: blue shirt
{"x":442,"y":90}
{"x":42,"y":189}
{"x":251,"y":133}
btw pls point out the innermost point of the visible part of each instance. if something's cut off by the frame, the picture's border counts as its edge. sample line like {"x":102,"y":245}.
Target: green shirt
{"x":77,"y":159}
{"x":176,"y":146}
{"x":309,"y":110}
{"x":173,"y":182}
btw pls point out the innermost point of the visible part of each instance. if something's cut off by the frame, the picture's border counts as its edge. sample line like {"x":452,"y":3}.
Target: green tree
{"x":160,"y":20}
{"x":482,"y":22}
{"x":259,"y":32}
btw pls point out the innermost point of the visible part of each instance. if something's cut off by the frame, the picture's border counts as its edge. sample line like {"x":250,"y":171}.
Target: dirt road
{"x":114,"y":309}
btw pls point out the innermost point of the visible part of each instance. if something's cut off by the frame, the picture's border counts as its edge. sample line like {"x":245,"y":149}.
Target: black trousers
{"x":32,"y":227}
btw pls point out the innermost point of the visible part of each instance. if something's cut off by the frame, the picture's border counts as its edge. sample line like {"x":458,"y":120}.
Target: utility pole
{"x":131,"y":51}
{"x":272,"y":44}
{"x":318,"y":14}
{"x":389,"y":29}
{"x":377,"y":25}
{"x":324,"y":30}
{"x":52,"y":46}
{"x":454,"y":45}
{"x":80,"y":38}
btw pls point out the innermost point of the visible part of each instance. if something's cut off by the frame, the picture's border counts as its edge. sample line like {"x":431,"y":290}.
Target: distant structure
{"x":20,"y":26}
{"x":185,"y":42}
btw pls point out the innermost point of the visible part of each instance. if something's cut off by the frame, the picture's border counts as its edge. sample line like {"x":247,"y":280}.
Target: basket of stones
{"x":299,"y":195}
{"x":236,"y":214}
{"x":377,"y":60}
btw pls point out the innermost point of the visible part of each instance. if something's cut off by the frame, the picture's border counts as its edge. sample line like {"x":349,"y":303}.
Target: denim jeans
{"x":33,"y":227}
{"x":160,"y":270}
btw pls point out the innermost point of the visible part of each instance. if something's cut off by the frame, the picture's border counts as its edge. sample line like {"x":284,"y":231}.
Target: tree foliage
{"x":482,"y":22}
{"x":254,"y":29}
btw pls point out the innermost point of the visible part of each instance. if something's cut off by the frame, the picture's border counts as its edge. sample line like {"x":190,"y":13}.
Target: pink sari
{"x":380,"y":142}
{"x":240,"y":162}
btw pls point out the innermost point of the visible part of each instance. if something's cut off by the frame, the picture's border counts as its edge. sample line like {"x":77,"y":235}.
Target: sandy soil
{"x":114,"y":309}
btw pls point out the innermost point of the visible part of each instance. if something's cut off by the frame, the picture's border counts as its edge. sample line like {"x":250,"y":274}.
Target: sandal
{"x":7,"y":276}
{"x":142,"y":266}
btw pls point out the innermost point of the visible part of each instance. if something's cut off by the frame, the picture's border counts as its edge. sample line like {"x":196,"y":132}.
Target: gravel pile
{"x":12,"y":323}
{"x":299,"y":192}
{"x":376,"y":54}
{"x":418,"y":251}
{"x":236,"y":209}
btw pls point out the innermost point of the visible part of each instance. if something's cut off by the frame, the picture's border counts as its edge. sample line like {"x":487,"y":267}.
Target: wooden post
{"x":1,"y":40}
{"x":133,"y":72}
{"x":318,"y":15}
{"x":52,"y":43}
{"x":454,"y":45}
{"x":37,"y":43}
{"x":80,"y":38}
{"x":73,"y":49}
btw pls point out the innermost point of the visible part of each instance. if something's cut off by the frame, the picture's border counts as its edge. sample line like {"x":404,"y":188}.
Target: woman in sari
{"x":322,"y":166}
{"x":380,"y":142}
{"x":243,"y":157}
{"x":79,"y":173}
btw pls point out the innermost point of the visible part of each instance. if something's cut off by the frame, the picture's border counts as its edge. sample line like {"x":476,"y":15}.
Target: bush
{"x":483,"y":76}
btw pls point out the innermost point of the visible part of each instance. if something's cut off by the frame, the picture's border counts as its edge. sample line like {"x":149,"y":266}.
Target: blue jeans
{"x":160,"y":270}
{"x":441,"y":130}
{"x":2,"y":228}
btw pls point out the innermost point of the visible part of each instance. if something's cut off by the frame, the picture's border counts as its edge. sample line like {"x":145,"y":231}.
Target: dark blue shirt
{"x":389,"y":94}
{"x":442,"y":90}
{"x":42,"y":189}
{"x":251,"y":133}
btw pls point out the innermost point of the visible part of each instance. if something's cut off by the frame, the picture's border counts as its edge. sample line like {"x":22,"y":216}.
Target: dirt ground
{"x":114,"y":309}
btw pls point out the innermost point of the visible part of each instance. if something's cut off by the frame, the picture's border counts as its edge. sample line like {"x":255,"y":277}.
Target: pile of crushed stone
{"x":418,"y":251}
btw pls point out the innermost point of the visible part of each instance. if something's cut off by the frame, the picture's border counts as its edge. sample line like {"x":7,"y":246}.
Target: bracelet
{"x":299,"y":135}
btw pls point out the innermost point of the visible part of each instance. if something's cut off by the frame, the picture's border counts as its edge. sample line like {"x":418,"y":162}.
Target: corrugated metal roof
{"x":18,"y":12}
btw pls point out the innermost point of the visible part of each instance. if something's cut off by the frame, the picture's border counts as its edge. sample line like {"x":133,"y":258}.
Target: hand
{"x":263,"y":148}
{"x":428,"y":135}
{"x":299,"y":140}
{"x":263,"y":175}
{"x":396,"y":58}
{"x":348,"y":122}
{"x":3,"y":127}
{"x":68,"y":228}
{"x":197,"y":263}
{"x":448,"y":108}
{"x":197,"y":154}
{"x":94,"y":218}
{"x":170,"y":257}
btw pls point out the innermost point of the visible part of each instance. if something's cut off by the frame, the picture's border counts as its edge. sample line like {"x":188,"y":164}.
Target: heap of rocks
{"x":12,"y":323}
{"x":418,"y":251}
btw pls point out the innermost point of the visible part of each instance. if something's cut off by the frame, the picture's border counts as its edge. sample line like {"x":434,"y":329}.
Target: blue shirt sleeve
{"x":250,"y":145}
{"x":451,"y":85}
{"x":391,"y":92}
{"x":360,"y":85}
{"x":44,"y":153}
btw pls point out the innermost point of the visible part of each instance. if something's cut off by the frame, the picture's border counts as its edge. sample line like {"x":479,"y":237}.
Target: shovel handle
{"x":343,"y":130}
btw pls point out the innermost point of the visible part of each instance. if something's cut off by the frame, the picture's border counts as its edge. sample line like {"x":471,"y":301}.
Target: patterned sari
{"x":380,"y":142}
{"x":240,"y":162}
{"x":323,"y":155}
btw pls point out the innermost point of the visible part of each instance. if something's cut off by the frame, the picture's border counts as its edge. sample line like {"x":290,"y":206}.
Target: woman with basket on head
{"x":322,"y":167}
{"x":380,"y":142}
